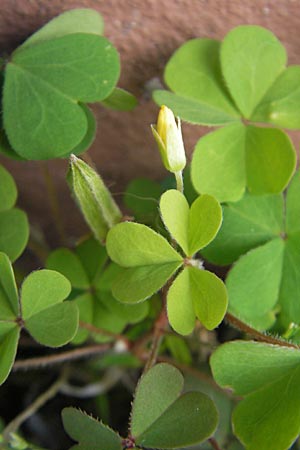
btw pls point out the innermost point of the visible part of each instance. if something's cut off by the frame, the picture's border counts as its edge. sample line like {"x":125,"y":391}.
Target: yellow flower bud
{"x":168,"y":136}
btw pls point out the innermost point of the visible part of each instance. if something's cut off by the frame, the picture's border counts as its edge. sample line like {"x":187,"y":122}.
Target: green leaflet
{"x":9,"y":302}
{"x":79,"y":20}
{"x":292,"y":219}
{"x":8,"y":190}
{"x":193,"y":228}
{"x":228,"y":160}
{"x":131,"y":245}
{"x":193,"y":111}
{"x":142,"y":197}
{"x":196,"y":293}
{"x":120,"y":100}
{"x":42,"y":289}
{"x":268,"y":376}
{"x":9,"y":337}
{"x":54,"y":123}
{"x":218,"y":163}
{"x":54,"y":326}
{"x":14,"y":228}
{"x":280,"y":105}
{"x":89,"y":432}
{"x":248,"y":223}
{"x":253,"y":283}
{"x":251,"y":60}
{"x":67,"y":263}
{"x":135,"y":284}
{"x":161,"y":418}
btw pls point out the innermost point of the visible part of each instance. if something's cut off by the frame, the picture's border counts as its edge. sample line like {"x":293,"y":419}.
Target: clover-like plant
{"x":160,"y":418}
{"x":237,"y":83}
{"x":39,"y":309}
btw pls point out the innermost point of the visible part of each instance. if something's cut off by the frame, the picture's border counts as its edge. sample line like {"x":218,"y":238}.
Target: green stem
{"x":179,"y":181}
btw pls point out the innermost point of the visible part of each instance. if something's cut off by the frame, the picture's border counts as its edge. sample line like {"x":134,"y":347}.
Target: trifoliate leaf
{"x":161,"y":418}
{"x":251,"y":60}
{"x":268,"y":376}
{"x":89,"y":432}
{"x":253,"y":283}
{"x":42,"y":289}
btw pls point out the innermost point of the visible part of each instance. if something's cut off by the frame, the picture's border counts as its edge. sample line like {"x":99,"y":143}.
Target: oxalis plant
{"x":137,"y":301}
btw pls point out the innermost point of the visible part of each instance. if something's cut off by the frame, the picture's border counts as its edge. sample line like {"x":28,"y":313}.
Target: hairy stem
{"x":78,"y":353}
{"x":15,"y":424}
{"x":267,"y":338}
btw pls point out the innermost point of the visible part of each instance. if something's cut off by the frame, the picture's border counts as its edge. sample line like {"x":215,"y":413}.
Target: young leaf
{"x":9,"y":338}
{"x":89,"y":432}
{"x":9,"y":302}
{"x":132,"y":245}
{"x":251,"y":60}
{"x":161,"y":418}
{"x":280,"y":105}
{"x":270,"y":160}
{"x":196,"y":293}
{"x":8,"y":190}
{"x":254,"y":281}
{"x":79,"y":20}
{"x":120,"y":100}
{"x":14,"y":232}
{"x":218,"y":164}
{"x":42,"y":289}
{"x":193,"y":228}
{"x":55,"y":123}
{"x":248,"y":223}
{"x":269,"y":377}
{"x":54,"y":326}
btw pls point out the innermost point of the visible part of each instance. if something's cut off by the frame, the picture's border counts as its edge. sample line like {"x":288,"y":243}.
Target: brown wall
{"x":145,"y":33}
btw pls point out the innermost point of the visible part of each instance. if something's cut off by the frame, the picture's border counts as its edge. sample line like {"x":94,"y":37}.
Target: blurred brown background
{"x":146,"y":33}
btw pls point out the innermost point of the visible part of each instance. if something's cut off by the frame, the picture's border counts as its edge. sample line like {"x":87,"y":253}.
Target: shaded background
{"x":146,"y":33}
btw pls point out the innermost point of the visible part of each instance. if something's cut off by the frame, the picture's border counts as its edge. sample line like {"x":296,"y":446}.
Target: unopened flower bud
{"x":168,"y":136}
{"x":94,"y":199}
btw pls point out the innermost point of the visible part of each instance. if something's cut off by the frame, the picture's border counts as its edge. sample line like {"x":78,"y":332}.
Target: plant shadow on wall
{"x":133,"y":303}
